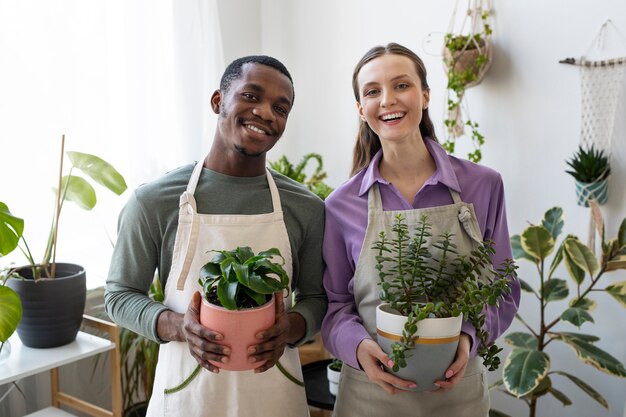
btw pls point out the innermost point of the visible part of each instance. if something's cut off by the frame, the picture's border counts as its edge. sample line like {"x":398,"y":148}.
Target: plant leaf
{"x":537,"y":242}
{"x":621,"y":235}
{"x":584,"y":337}
{"x":618,"y":291}
{"x":581,"y":255}
{"x":560,"y":396}
{"x":258,"y":298}
{"x":244,"y":253}
{"x":586,"y":304}
{"x":586,"y":388}
{"x":522,"y":340}
{"x":258,"y":284}
{"x":576,"y":316}
{"x":11,"y":229}
{"x":524,"y":370}
{"x":79,"y":191}
{"x":496,"y":413}
{"x":10,"y":312}
{"x":553,"y":221}
{"x":227,"y":293}
{"x":577,"y":274}
{"x":99,"y":170}
{"x":558,"y":258}
{"x":241,"y":271}
{"x":555,"y":289}
{"x":518,"y":250}
{"x":596,"y":357}
{"x":526,"y":287}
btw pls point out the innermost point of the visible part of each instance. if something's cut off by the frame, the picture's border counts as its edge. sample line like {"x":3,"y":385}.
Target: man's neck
{"x":234,"y":163}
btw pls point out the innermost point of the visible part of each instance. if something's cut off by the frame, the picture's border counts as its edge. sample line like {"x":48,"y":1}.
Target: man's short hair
{"x":233,"y":70}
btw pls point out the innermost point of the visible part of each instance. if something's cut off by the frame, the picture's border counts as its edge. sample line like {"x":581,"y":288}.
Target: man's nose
{"x":264,"y":111}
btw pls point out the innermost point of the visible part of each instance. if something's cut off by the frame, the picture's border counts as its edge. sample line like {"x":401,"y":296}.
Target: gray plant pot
{"x":435,"y":347}
{"x":52,"y":309}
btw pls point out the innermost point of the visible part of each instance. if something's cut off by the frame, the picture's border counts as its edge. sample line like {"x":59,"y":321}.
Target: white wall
{"x":528,"y":108}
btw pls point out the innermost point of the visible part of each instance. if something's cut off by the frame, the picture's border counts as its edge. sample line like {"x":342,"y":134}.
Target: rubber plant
{"x":527,"y":372}
{"x":466,"y":58}
{"x":314,"y":183}
{"x":422,"y":283}
{"x":70,"y":187}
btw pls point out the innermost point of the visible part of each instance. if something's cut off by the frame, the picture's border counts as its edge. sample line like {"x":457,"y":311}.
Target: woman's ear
{"x":426,"y":99}
{"x":216,"y":101}
{"x":360,"y":109}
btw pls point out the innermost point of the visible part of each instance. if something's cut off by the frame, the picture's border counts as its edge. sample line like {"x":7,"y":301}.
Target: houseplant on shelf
{"x":591,"y":169}
{"x":53,"y":293}
{"x":333,"y":372}
{"x":314,"y":183}
{"x":426,"y":293}
{"x":466,"y":60}
{"x":238,"y":288}
{"x":527,"y":373}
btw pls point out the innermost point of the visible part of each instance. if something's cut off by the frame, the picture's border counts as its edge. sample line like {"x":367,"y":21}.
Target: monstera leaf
{"x":11,"y":229}
{"x":10,"y":312}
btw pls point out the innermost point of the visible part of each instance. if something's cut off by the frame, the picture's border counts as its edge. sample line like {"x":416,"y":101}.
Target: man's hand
{"x":371,"y":356}
{"x":456,"y":371}
{"x":202,"y":342}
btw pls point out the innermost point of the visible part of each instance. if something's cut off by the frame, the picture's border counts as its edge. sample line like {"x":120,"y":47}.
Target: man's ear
{"x":216,"y":101}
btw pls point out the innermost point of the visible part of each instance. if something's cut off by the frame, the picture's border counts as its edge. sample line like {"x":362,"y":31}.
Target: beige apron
{"x":358,"y":396}
{"x":227,"y":394}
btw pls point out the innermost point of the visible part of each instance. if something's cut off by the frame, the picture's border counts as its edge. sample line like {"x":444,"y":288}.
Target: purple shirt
{"x":346,"y":221}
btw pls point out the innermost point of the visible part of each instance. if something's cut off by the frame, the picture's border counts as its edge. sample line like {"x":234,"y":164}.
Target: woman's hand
{"x":202,"y":342}
{"x":370,"y":357}
{"x":456,"y":371}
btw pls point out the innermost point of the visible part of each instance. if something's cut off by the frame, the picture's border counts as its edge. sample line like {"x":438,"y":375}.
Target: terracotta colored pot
{"x":239,"y":328}
{"x":435,"y":345}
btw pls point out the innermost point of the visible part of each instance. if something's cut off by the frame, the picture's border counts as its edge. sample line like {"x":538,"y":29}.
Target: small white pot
{"x":333,"y":380}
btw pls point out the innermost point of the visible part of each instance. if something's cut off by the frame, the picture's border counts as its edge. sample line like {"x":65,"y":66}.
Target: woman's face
{"x":392,"y":98}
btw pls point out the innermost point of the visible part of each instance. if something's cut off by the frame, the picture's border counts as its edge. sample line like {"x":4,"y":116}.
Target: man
{"x":225,"y":201}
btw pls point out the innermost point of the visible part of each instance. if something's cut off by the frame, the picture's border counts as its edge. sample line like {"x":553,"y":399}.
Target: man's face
{"x":254,"y":110}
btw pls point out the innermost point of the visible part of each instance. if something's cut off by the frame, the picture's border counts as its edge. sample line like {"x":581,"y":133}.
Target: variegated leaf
{"x":526,"y":287}
{"x":553,"y":221}
{"x":518,"y":250}
{"x":582,"y":256}
{"x":577,"y":273}
{"x":618,"y":291}
{"x":576,"y":316}
{"x":596,"y":357}
{"x":524,"y":370}
{"x":586,"y":304}
{"x":584,"y":337}
{"x":557,"y":259}
{"x":586,"y":388}
{"x":521,"y":340}
{"x":537,"y":242}
{"x":555,"y":289}
{"x":621,"y":235}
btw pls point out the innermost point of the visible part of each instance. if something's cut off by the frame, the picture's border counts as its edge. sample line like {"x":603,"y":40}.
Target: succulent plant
{"x":589,"y":165}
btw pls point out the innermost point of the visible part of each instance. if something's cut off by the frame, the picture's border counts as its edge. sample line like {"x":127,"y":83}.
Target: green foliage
{"x":527,"y":368}
{"x":335,"y":365}
{"x":422,"y":282}
{"x":589,"y":165}
{"x":10,"y":303}
{"x":73,"y":188}
{"x":242,"y":277}
{"x":297,"y":173}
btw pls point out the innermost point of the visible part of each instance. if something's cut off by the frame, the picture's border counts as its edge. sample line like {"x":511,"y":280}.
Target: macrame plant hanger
{"x":601,"y":83}
{"x":466,"y":66}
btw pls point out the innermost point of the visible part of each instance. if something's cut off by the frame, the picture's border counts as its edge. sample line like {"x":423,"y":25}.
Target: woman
{"x":399,"y":165}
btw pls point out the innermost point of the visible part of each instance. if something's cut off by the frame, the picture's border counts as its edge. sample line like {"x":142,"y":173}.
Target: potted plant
{"x":527,"y":372}
{"x":333,"y":372}
{"x":238,"y":288}
{"x":314,"y":183}
{"x":466,"y":59}
{"x":53,"y":293}
{"x":426,"y":293}
{"x":591,"y":170}
{"x":10,"y":304}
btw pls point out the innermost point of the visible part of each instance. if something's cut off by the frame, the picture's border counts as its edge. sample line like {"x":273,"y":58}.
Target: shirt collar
{"x":444,"y":173}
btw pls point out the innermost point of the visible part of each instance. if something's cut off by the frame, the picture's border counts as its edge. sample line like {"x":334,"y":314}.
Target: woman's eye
{"x":371,"y":92}
{"x":402,"y":86}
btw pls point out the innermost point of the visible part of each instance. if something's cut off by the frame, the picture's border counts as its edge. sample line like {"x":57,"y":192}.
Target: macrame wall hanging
{"x":601,"y":83}
{"x":466,"y":56}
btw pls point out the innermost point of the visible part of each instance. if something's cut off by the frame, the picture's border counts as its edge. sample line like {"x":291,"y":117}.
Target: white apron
{"x":357,"y":395}
{"x":227,"y":394}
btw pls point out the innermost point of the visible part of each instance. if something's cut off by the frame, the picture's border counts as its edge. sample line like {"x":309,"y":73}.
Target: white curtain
{"x":127,"y":80}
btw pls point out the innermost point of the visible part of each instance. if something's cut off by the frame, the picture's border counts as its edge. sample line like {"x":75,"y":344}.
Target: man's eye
{"x":249,"y":96}
{"x":281,"y":110}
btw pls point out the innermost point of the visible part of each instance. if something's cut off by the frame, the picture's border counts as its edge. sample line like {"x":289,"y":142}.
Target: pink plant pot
{"x":239,"y":328}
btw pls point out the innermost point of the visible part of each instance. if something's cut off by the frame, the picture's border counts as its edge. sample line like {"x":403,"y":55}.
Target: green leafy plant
{"x":423,"y":283}
{"x":527,"y":373}
{"x":10,"y":304}
{"x":466,"y":59}
{"x":589,"y":165}
{"x":314,"y":183}
{"x":335,"y":364}
{"x":71,"y":187}
{"x":240,"y":278}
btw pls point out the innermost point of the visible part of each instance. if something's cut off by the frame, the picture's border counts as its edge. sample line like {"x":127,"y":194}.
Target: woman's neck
{"x":407,"y":165}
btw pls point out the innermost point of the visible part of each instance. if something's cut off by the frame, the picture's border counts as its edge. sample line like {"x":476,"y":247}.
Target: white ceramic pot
{"x":333,"y":380}
{"x":435,"y":345}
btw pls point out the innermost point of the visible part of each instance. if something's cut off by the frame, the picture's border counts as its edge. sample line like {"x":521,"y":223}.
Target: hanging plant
{"x":467,"y":58}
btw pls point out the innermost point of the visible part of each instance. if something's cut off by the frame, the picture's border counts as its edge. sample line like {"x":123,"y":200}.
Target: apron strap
{"x":274,"y":191}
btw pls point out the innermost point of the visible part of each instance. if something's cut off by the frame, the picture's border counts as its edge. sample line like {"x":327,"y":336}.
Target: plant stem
{"x":58,"y":209}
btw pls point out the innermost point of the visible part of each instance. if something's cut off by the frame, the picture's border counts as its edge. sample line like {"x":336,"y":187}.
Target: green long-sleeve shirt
{"x":147,"y":230}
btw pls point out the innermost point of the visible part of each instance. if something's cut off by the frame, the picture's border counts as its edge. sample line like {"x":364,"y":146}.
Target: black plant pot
{"x":137,"y":410}
{"x":52,"y":309}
